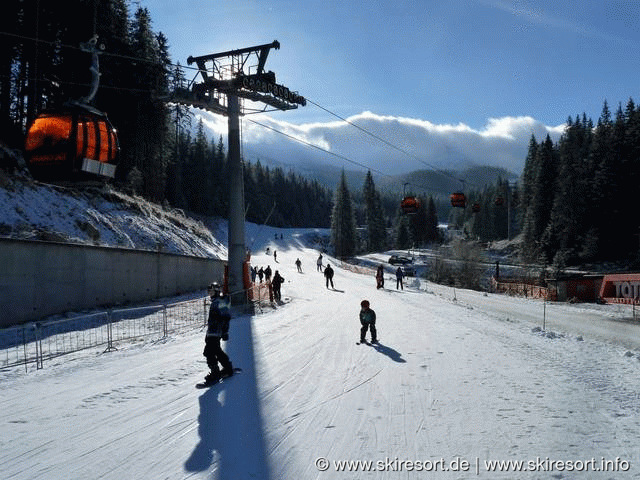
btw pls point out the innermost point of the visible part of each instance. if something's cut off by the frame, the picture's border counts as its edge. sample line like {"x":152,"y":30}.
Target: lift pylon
{"x":226,"y":78}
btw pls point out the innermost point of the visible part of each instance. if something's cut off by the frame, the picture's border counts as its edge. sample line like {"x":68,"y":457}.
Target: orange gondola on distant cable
{"x":458,"y":199}
{"x":410,"y":205}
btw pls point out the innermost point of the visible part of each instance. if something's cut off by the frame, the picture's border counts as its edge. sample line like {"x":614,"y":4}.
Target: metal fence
{"x":35,"y":343}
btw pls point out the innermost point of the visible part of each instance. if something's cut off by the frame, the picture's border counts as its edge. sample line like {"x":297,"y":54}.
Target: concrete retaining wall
{"x":44,"y":278}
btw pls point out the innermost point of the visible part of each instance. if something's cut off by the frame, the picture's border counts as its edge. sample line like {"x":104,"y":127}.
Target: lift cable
{"x":186,"y":67}
{"x":389,"y":144}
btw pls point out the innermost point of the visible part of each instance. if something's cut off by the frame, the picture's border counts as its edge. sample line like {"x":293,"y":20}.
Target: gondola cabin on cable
{"x":410,"y":205}
{"x":77,"y":141}
{"x":72,"y":144}
{"x":458,"y":199}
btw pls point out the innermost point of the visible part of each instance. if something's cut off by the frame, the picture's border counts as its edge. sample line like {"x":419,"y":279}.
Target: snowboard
{"x":200,"y":385}
{"x":367,"y":343}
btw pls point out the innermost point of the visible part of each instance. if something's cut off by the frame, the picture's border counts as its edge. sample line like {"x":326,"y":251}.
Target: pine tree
{"x":374,"y":216}
{"x":343,"y":229}
{"x":432,"y":233}
{"x":181,"y":117}
{"x":403,"y":235}
{"x":605,"y":185}
{"x":528,"y":178}
{"x":540,"y":204}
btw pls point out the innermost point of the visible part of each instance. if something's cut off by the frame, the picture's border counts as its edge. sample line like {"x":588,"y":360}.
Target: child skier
{"x":217,"y":329}
{"x":368,"y":322}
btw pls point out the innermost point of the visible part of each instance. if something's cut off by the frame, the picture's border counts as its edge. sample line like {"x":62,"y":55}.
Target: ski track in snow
{"x":464,"y":378}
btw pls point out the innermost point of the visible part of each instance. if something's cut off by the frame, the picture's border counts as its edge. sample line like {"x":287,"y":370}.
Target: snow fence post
{"x":24,"y":346}
{"x":204,"y":310}
{"x":164,"y":321}
{"x":110,"y":347}
{"x":38,"y":341}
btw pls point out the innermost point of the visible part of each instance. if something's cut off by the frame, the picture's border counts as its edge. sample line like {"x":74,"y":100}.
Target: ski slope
{"x":458,"y":380}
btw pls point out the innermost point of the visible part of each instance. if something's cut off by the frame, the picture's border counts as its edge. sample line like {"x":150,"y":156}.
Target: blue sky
{"x":464,"y":70}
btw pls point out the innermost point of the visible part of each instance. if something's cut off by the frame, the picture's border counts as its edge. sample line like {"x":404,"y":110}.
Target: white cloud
{"x":392,"y":145}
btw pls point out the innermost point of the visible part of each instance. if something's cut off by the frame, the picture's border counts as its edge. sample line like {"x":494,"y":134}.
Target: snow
{"x":459,"y":376}
{"x":104,"y":216}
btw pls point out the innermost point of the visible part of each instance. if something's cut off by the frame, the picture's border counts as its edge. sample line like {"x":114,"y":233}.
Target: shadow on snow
{"x":230,"y":424}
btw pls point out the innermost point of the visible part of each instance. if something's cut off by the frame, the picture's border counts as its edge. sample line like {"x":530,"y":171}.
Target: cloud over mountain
{"x":387,"y":144}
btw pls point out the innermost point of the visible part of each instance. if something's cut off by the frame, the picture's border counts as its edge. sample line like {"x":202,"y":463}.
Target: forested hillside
{"x":574,"y":202}
{"x":579,"y":196}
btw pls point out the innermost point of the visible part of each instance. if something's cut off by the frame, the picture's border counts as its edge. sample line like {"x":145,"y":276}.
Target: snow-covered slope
{"x":102,"y":216}
{"x":452,"y":386}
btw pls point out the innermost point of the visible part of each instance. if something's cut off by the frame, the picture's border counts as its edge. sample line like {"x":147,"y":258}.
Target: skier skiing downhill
{"x":368,"y":322}
{"x":217,"y":329}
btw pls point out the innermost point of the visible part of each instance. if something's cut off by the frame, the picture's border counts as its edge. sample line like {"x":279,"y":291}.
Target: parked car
{"x":399,"y":260}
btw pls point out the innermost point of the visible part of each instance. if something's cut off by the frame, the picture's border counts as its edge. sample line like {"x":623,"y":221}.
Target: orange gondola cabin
{"x":458,"y":199}
{"x":77,"y":143}
{"x":410,"y":205}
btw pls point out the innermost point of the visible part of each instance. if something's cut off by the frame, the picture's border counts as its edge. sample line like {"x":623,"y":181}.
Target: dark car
{"x":399,"y":260}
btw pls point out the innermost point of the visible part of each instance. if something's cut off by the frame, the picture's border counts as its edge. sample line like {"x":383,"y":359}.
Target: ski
{"x":201,"y":385}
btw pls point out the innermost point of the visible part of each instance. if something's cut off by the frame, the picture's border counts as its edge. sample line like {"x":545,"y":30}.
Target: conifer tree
{"x":432,"y":232}
{"x":540,"y":201}
{"x":528,"y":180}
{"x":374,"y":216}
{"x":343,"y":229}
{"x":403,"y":235}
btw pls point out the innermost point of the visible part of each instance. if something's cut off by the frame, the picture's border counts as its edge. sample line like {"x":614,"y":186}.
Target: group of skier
{"x":219,"y":315}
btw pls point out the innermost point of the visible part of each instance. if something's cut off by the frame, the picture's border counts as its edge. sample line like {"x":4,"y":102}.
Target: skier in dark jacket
{"x":217,"y":329}
{"x":399,"y":277}
{"x":328,"y":274}
{"x":368,"y":322}
{"x":277,"y":282}
{"x":267,"y":273}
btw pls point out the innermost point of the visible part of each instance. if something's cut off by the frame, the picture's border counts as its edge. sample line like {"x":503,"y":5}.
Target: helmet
{"x":214,"y":289}
{"x":364,"y":303}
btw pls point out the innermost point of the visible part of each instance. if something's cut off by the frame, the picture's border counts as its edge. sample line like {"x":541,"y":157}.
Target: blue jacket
{"x":367,"y":316}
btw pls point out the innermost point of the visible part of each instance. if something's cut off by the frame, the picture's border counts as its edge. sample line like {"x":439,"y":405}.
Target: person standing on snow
{"x":277,"y":282}
{"x":399,"y":276}
{"x":328,"y":274}
{"x":217,"y":329}
{"x":380,"y":277}
{"x":299,"y":265}
{"x":368,"y":322}
{"x":267,"y":273}
{"x":319,"y":263}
